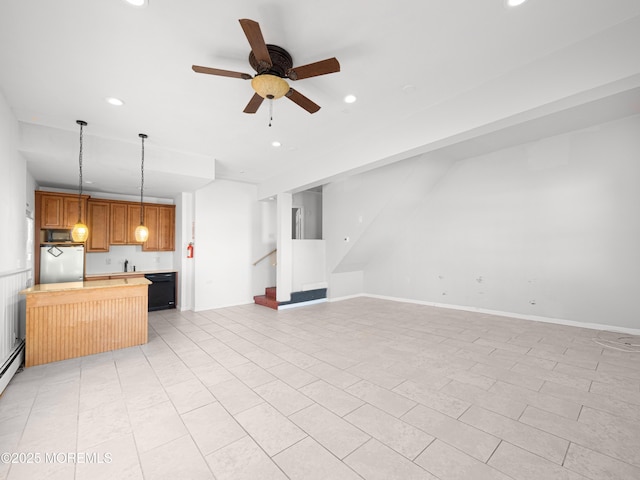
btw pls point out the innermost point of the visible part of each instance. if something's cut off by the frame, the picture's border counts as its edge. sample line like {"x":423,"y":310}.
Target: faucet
{"x":126,"y":264}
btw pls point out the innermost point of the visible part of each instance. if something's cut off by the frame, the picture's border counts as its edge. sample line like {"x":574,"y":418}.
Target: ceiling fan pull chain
{"x":270,"y":111}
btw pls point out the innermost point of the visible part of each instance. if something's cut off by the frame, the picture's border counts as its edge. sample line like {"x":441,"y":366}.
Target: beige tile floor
{"x":363,"y":388}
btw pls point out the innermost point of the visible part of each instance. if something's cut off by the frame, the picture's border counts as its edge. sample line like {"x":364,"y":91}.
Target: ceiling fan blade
{"x":221,"y":73}
{"x":330,"y":65}
{"x":304,"y":102}
{"x":256,"y":40}
{"x":254,"y":104}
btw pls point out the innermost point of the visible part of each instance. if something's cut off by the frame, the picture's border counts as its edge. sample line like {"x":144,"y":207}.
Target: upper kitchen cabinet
{"x":160,"y":220}
{"x":133,"y":220}
{"x":99,"y":212}
{"x":119,"y":223}
{"x":59,"y":210}
{"x":125,"y":217}
{"x":167,"y":228}
{"x":110,"y":222}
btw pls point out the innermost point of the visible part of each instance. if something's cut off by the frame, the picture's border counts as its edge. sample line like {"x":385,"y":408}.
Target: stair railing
{"x":265,"y":256}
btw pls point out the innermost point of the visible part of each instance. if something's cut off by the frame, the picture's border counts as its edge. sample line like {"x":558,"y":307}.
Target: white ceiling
{"x":428,"y":75}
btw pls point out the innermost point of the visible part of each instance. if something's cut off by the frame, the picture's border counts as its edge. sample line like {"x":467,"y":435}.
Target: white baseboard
{"x":347,"y":297}
{"x":533,"y":318}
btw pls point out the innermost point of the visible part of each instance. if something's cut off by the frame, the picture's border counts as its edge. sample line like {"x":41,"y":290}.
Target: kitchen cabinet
{"x":110,"y":222}
{"x":151,"y":222}
{"x":71,"y":320}
{"x":51,"y":211}
{"x":98,"y":213}
{"x":70,"y":211}
{"x":166,"y":228}
{"x":133,"y":213}
{"x":118,"y":223}
{"x":59,"y":210}
{"x":160,"y":220}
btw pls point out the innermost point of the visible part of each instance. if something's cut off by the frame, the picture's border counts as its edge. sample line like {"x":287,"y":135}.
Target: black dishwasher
{"x":162,"y":291}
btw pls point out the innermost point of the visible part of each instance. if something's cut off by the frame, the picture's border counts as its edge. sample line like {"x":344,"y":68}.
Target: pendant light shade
{"x":142,"y":233}
{"x":80,"y":231}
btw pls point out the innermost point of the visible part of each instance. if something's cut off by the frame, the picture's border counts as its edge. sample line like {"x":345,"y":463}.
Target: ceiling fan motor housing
{"x":281,"y":62}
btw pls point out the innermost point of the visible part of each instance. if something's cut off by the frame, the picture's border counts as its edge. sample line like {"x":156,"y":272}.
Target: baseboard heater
{"x":11,"y":365}
{"x":305,"y":297}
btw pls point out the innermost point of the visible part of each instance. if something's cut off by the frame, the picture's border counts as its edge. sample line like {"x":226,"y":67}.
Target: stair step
{"x":266,"y":301}
{"x":270,"y":292}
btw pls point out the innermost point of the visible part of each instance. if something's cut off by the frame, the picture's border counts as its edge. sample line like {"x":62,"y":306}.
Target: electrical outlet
{"x":108,"y":261}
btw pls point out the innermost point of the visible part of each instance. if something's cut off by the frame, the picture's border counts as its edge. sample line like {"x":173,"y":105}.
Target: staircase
{"x":268,"y":299}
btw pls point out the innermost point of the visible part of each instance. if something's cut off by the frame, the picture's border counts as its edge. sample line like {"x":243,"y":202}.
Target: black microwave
{"x":59,"y":236}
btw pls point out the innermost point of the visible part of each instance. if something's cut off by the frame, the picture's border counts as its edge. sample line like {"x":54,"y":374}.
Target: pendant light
{"x":142,"y":232}
{"x":80,"y":231}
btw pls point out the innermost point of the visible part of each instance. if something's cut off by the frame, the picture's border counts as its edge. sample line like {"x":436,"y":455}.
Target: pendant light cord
{"x":82,"y":124}
{"x":142,"y":136}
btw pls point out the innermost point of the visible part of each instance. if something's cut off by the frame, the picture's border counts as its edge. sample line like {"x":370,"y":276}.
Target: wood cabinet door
{"x":118,"y":223}
{"x":151,"y":222}
{"x":133,"y":210}
{"x":51,"y":211}
{"x":166,"y":228}
{"x":71,"y":214}
{"x":98,"y":214}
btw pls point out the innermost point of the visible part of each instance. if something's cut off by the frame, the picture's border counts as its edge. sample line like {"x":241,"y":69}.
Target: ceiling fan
{"x":272,"y":65}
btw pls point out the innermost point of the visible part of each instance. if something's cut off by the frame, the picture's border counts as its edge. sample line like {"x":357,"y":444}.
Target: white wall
{"x":13,"y":196}
{"x":311,"y":203}
{"x":227,"y":222}
{"x":185,"y":233}
{"x":264,"y":273}
{"x":309,"y":265}
{"x":546,"y":229}
{"x":364,"y":214}
{"x":16,"y":199}
{"x":284,"y":268}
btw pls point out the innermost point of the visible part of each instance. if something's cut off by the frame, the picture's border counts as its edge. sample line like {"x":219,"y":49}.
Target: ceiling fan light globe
{"x":270,"y":86}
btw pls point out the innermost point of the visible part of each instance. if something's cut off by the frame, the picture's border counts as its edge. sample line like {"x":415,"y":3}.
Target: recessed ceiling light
{"x":514,"y":3}
{"x":276,"y":143}
{"x":350,"y":99}
{"x":88,"y":182}
{"x":114,"y":101}
{"x":137,"y":3}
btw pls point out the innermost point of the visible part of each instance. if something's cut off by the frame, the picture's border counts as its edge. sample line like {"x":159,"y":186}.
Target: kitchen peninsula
{"x":68,"y":320}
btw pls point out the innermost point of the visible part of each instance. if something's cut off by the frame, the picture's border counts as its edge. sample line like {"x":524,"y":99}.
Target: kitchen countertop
{"x":124,"y":274}
{"x":74,"y":286}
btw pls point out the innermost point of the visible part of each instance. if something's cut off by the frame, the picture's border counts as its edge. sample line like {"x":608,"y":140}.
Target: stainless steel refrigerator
{"x":61,"y":263}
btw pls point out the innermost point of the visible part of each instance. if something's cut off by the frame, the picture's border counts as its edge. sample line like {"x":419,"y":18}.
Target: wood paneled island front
{"x":68,"y":320}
